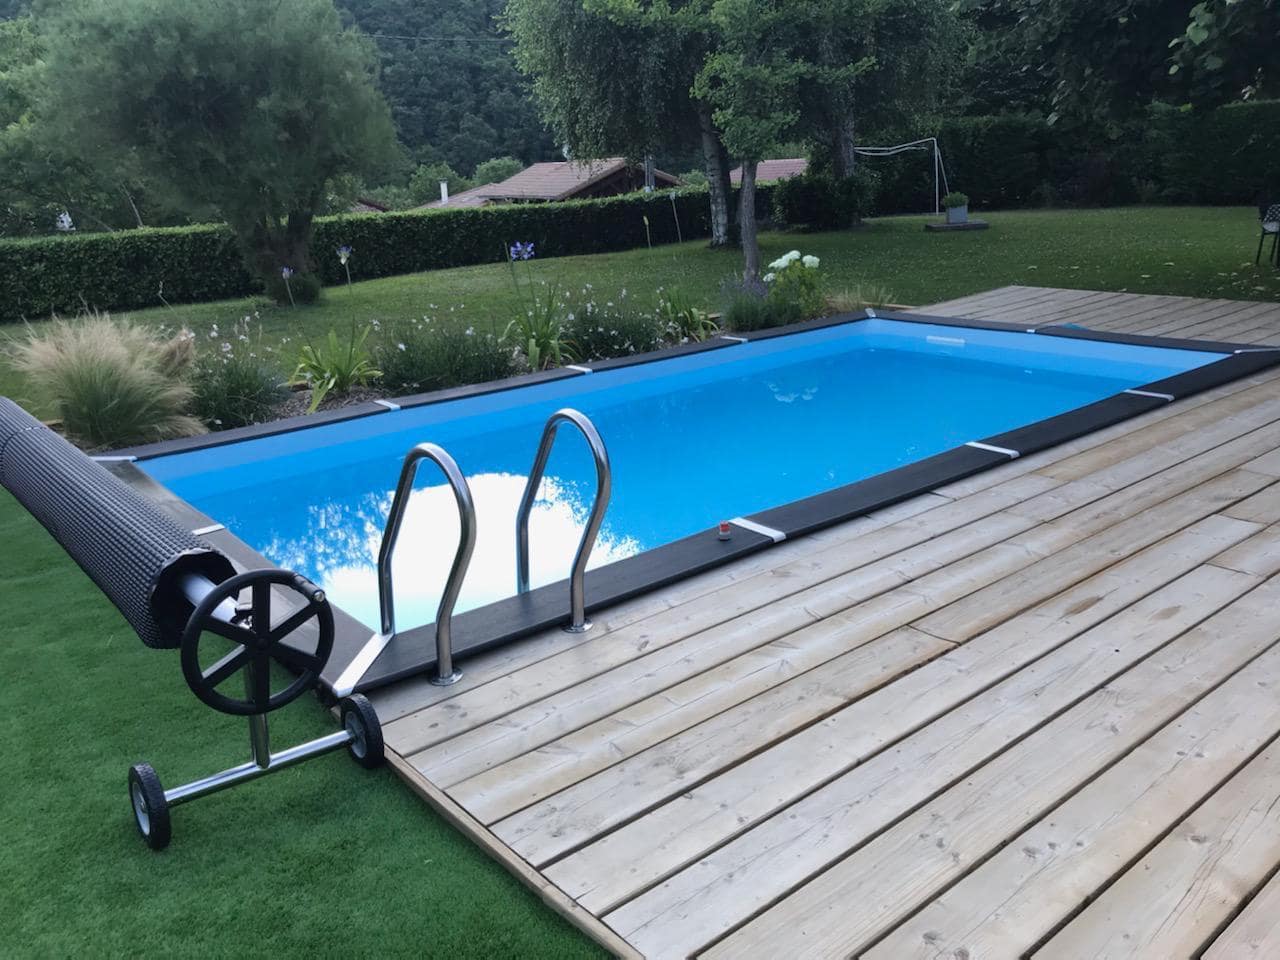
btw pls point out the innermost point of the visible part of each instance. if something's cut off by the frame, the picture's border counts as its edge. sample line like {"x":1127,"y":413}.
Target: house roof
{"x":559,"y":180}
{"x":772,"y":170}
{"x":475,"y":197}
{"x":363,"y":205}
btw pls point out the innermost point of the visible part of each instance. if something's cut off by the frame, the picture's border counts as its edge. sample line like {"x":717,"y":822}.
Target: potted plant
{"x":957,"y":205}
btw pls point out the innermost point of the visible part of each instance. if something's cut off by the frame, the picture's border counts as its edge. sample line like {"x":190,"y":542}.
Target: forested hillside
{"x":448,"y":75}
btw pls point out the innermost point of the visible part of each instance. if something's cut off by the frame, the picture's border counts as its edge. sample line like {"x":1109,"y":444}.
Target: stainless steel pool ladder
{"x":578,"y":622}
{"x":445,"y":674}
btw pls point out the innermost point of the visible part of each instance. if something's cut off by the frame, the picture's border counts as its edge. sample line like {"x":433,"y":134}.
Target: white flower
{"x":792,"y":257}
{"x":400,"y":347}
{"x":779,"y":264}
{"x":811,"y":262}
{"x":770,"y":277}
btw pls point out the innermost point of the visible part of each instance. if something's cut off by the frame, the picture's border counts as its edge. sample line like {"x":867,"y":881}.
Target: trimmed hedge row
{"x":1216,"y":157}
{"x":134,"y":268}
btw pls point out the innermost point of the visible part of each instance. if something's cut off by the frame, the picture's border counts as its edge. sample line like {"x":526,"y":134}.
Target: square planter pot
{"x":958,"y":214}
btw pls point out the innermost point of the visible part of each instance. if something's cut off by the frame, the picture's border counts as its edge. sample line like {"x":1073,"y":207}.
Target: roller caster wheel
{"x":361,"y":721}
{"x":150,"y":808}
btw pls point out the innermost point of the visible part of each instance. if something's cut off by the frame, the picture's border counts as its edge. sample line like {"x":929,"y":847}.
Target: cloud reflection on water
{"x":340,"y":546}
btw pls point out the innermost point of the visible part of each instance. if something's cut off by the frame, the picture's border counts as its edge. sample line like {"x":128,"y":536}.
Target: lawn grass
{"x":322,"y":860}
{"x":1187,"y":251}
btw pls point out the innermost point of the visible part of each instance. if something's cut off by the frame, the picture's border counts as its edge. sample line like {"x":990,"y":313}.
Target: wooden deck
{"x":1034,"y":712}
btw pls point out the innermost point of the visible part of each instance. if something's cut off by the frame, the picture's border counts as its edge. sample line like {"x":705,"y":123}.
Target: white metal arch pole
{"x":939,"y":167}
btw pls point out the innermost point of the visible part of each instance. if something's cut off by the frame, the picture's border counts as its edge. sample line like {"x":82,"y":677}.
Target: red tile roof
{"x":560,"y":180}
{"x":772,"y":170}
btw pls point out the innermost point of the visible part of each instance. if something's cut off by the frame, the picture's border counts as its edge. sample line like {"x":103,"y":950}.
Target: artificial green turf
{"x":1187,"y":251}
{"x":324,"y":859}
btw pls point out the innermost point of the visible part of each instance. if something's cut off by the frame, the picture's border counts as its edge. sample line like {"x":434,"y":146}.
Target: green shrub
{"x":337,"y":367}
{"x":955,"y":199}
{"x":420,"y":356}
{"x":237,"y":383}
{"x":824,"y":202}
{"x":298,"y":289}
{"x":601,"y":330}
{"x":746,"y":307}
{"x":794,"y":288}
{"x":113,"y":383}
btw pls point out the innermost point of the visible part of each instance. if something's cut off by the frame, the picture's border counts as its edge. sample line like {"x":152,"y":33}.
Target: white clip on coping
{"x":1011,"y":454}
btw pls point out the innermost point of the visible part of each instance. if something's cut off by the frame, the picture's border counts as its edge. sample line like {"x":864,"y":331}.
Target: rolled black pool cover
{"x":136,"y":555}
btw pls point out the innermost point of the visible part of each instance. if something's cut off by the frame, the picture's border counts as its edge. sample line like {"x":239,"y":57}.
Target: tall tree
{"x":238,"y":107}
{"x":1230,"y":50}
{"x":42,"y":181}
{"x":1105,"y":60}
{"x":614,"y":77}
{"x":752,"y":80}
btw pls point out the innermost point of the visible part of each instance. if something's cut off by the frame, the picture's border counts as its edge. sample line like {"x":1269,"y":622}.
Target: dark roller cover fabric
{"x":136,"y":555}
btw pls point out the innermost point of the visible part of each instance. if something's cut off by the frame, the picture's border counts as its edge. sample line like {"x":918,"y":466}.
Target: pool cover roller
{"x":136,"y":555}
{"x":175,"y":590}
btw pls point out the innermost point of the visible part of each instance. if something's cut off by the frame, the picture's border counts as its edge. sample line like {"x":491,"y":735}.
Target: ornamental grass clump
{"x":421,"y":355}
{"x":596,"y":330}
{"x":237,"y":383}
{"x":112,"y":383}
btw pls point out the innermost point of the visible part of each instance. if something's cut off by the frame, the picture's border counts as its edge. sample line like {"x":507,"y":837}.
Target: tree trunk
{"x":274,"y":245}
{"x":747,"y":224}
{"x":717,"y":168}
{"x":843,"y":156}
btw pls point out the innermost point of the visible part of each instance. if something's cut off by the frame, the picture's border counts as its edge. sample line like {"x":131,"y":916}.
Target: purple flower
{"x":344,"y":253}
{"x":521,"y":251}
{"x":286,"y":272}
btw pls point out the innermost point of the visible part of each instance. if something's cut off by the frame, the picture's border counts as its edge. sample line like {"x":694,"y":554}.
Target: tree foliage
{"x":1230,"y":50}
{"x":607,"y":79}
{"x":448,"y":75}
{"x":1102,"y":61}
{"x":231,"y":107}
{"x":496,"y":170}
{"x":42,"y":179}
{"x":1105,"y":62}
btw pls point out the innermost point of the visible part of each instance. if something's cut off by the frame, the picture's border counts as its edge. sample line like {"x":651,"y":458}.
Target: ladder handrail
{"x":604,"y":486}
{"x":461,"y":560}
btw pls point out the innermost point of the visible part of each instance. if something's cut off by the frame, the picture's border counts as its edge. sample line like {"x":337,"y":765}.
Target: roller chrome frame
{"x":578,"y":622}
{"x":260,"y":645}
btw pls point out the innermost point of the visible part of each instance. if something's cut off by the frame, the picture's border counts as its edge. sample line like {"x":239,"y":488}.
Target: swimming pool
{"x":784,"y":433}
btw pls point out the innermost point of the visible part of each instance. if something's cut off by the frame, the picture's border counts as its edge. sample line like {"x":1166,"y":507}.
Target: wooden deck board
{"x":1033,"y":710}
{"x":1255,"y":934}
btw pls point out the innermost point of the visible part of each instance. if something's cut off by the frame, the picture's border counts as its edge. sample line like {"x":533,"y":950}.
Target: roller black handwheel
{"x":150,"y":808}
{"x":259,"y":641}
{"x":361,"y":721}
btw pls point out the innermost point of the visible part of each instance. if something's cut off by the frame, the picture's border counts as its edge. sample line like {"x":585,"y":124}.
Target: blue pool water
{"x":693,"y":440}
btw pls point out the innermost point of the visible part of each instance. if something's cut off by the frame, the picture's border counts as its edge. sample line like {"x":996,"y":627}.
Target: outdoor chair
{"x":1269,"y":215}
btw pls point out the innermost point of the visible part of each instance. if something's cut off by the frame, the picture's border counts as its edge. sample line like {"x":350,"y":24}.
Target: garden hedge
{"x":135,"y":268}
{"x":1215,"y":157}
{"x":1224,"y":156}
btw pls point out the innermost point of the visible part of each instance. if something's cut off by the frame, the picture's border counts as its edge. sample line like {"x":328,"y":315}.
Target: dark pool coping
{"x":413,"y":651}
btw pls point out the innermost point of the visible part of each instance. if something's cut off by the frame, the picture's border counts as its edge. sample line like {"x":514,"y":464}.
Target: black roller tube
{"x":136,"y":555}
